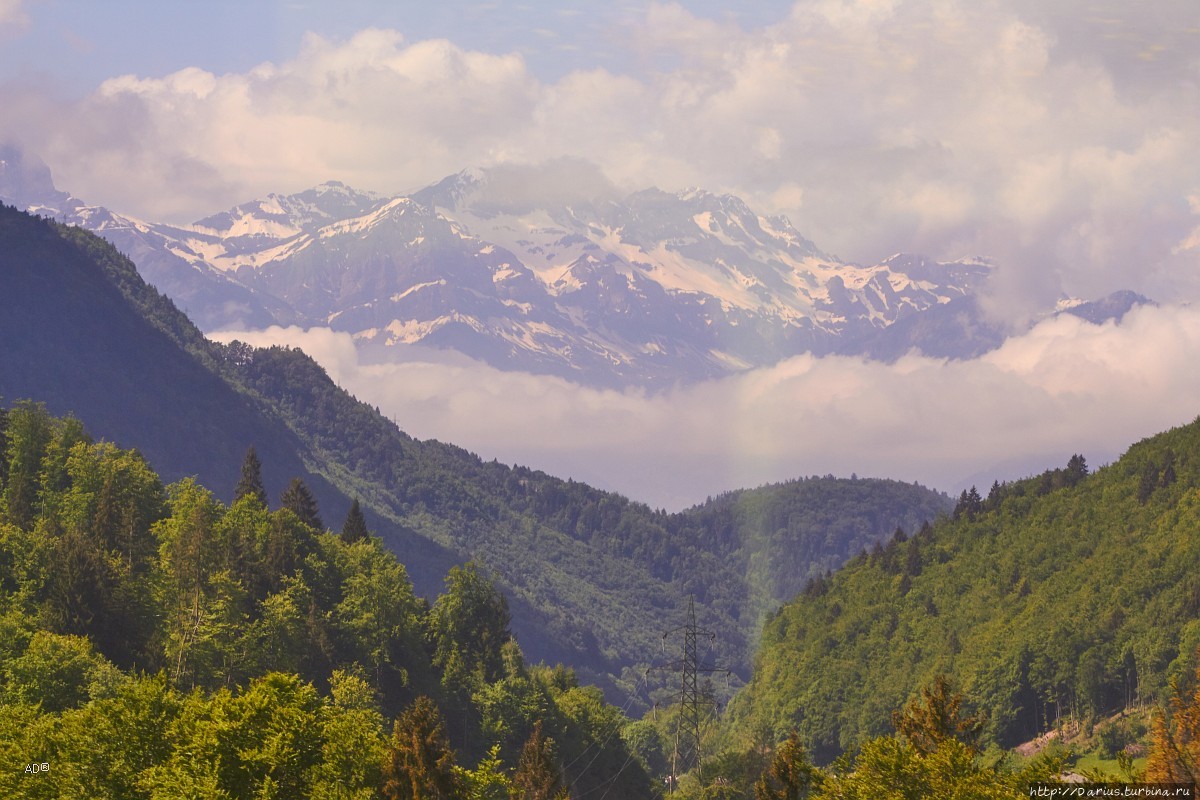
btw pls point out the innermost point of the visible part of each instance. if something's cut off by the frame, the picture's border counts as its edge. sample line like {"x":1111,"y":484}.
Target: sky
{"x":1057,"y":138}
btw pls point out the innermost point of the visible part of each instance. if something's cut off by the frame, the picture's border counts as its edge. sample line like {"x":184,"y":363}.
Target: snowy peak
{"x":283,"y":216}
{"x":453,"y":191}
{"x":546,"y":269}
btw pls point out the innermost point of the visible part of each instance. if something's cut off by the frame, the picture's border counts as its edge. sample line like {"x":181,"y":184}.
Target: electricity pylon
{"x":687,"y":755}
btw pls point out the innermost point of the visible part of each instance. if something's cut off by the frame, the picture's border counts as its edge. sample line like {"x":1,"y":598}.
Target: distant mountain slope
{"x":782,"y":536}
{"x":593,"y":578}
{"x":649,"y":289}
{"x":1057,"y":595}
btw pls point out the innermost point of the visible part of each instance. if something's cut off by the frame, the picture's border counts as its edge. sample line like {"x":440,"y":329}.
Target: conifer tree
{"x":537,"y":776}
{"x":28,"y":432}
{"x":1148,"y":483}
{"x":420,"y":764}
{"x":936,"y":717}
{"x":354,"y":529}
{"x":251,"y":482}
{"x":1077,"y":469}
{"x":299,"y":500}
{"x":912,"y":562}
{"x":790,"y":776}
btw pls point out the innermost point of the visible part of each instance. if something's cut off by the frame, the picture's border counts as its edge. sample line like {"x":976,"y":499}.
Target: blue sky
{"x":82,"y":43}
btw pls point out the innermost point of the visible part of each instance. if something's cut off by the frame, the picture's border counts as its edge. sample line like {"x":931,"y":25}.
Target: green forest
{"x":156,"y":643}
{"x":1055,"y":600}
{"x":1049,"y":629}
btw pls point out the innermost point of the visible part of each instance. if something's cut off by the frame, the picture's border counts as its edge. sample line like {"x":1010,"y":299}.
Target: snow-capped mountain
{"x":162,"y":253}
{"x":649,"y":289}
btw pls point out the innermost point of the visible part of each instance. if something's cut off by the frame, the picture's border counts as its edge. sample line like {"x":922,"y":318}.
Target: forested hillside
{"x":1063,"y":594}
{"x":157,"y":643}
{"x":592,"y":578}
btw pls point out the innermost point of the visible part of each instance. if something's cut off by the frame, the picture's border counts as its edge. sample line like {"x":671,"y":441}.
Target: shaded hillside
{"x":593,"y":578}
{"x":72,"y":339}
{"x":81,"y":332}
{"x":1064,"y":594}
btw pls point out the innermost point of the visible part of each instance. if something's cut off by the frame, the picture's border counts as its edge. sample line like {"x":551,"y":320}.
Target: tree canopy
{"x":157,"y":643}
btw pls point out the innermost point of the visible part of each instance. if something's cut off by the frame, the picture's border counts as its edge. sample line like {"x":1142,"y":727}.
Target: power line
{"x":687,"y":754}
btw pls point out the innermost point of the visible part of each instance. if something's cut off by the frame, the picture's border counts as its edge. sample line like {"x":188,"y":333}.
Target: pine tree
{"x":974,"y":503}
{"x":1077,"y":469}
{"x":1148,"y":482}
{"x":420,"y":765}
{"x":936,"y":717}
{"x":354,"y":529}
{"x":790,"y":776}
{"x":969,"y":505}
{"x":912,"y":561}
{"x":537,"y":776}
{"x":28,"y":432}
{"x":299,"y":500}
{"x":251,"y":482}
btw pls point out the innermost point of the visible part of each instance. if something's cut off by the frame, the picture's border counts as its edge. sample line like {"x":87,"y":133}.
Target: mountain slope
{"x":593,"y":578}
{"x":129,"y":374}
{"x":1058,"y":595}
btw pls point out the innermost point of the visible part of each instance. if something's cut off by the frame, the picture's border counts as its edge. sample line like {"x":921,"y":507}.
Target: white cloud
{"x":1043,"y":135}
{"x":1065,"y":387}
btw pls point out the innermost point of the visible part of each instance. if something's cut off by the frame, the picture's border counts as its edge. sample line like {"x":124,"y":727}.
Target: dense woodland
{"x":155,"y":642}
{"x":1063,"y":597}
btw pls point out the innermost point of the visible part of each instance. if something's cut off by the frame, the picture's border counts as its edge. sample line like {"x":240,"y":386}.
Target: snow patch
{"x":396,"y":298}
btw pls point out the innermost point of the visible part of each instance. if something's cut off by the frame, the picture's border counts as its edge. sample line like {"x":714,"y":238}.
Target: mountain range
{"x":550,"y":271}
{"x":592,"y":578}
{"x":1065,"y":596}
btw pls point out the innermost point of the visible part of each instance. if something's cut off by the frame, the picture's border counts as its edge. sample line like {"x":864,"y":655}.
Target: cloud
{"x":1067,"y":386}
{"x":13,"y":17}
{"x":1057,"y":138}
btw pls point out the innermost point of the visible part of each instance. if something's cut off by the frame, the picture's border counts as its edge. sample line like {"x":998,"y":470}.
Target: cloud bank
{"x":1058,"y":138}
{"x":1067,"y":386}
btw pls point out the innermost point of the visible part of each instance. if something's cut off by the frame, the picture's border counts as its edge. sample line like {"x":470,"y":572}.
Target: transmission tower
{"x":686,"y":754}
